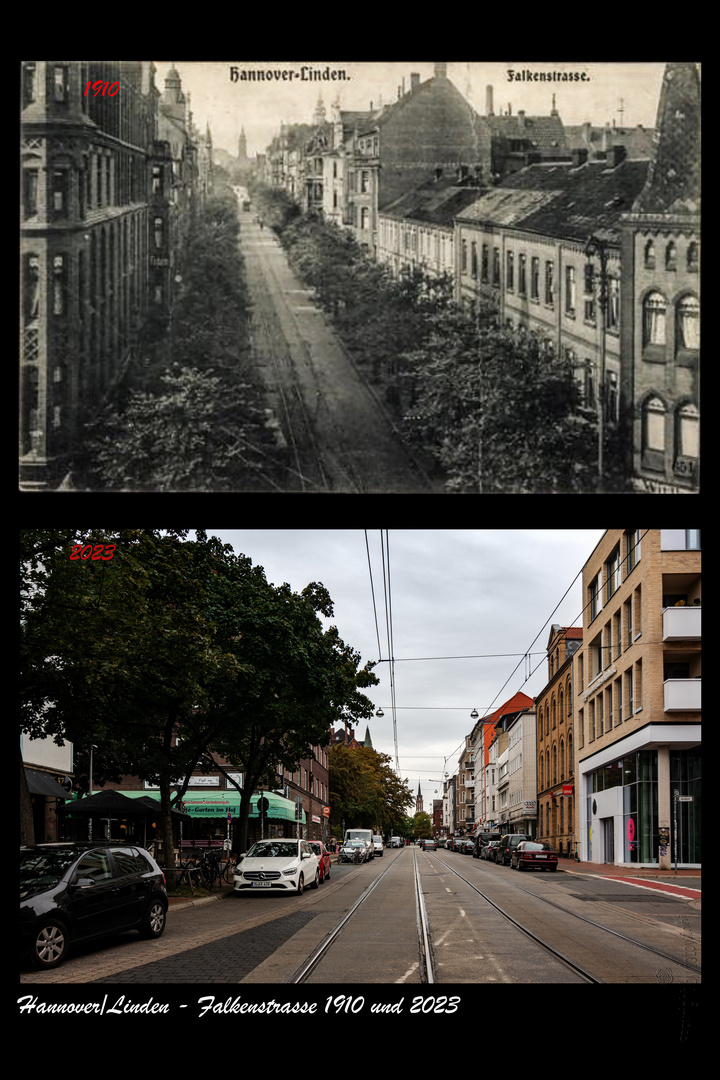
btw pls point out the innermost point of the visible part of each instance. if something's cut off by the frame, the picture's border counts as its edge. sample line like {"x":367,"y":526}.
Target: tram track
{"x":575,"y":915}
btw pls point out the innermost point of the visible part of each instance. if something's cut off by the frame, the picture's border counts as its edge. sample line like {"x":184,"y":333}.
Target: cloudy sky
{"x":614,"y":92}
{"x":484,"y":598}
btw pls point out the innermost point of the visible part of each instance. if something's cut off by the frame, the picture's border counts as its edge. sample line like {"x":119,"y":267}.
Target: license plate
{"x":541,"y":856}
{"x":262,"y":884}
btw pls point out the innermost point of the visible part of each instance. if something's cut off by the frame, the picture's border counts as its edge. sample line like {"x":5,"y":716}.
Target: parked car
{"x":506,"y":846}
{"x":487,"y":851}
{"x":429,"y":845}
{"x":395,"y":841}
{"x":467,"y":847}
{"x":80,"y":891}
{"x":350,"y":848}
{"x":279,"y":865}
{"x":456,"y":843}
{"x":377,"y":845}
{"x":482,"y":840}
{"x":323,"y":857}
{"x":534,"y":855}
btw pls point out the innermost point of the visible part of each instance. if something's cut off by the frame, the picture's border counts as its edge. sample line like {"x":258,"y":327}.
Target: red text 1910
{"x":105,"y":86}
{"x":92,"y":551}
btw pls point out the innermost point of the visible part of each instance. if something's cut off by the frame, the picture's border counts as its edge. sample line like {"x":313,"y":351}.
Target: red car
{"x":533,"y":855}
{"x":323,"y":858}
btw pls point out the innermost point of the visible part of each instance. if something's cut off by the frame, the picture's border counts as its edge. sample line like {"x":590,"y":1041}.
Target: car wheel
{"x":518,"y":867}
{"x":51,"y":945}
{"x":301,"y":885}
{"x":153,"y":924}
{"x":316,"y":882}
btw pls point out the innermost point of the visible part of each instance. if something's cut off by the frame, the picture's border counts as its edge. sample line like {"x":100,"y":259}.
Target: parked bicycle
{"x":213,"y":870}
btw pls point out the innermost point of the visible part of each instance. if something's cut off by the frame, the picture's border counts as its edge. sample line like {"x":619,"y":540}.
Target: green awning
{"x":213,"y":803}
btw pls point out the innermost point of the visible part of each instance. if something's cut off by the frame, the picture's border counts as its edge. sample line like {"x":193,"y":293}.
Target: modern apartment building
{"x":637,"y":691}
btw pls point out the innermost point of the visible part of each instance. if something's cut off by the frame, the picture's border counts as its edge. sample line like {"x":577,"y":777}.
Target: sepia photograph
{"x":328,"y":277}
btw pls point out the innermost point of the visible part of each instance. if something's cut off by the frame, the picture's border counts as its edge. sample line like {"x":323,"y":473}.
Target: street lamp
{"x":594,"y":246}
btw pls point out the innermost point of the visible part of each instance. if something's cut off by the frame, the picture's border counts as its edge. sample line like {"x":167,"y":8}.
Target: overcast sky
{"x":261,"y":107}
{"x":460,"y":593}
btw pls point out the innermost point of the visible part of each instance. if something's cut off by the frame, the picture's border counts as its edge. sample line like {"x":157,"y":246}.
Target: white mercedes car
{"x":277,"y":866}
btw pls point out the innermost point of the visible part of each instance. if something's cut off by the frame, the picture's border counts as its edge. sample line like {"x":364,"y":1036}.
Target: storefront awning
{"x":208,"y":804}
{"x":40,"y":783}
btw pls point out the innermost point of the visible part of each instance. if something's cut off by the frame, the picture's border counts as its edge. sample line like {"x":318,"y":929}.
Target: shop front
{"x":212,"y":817}
{"x":642,"y":808}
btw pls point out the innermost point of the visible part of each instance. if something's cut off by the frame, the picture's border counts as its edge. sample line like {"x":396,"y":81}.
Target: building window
{"x":549,"y":283}
{"x":510,"y":272}
{"x":613,"y":303}
{"x":484,"y":265}
{"x":654,"y":319}
{"x":693,"y":256}
{"x":522,"y":276}
{"x":60,"y":192}
{"x":570,"y":290}
{"x":633,"y":548}
{"x":29,"y":82}
{"x":687,"y":323}
{"x":595,"y":598}
{"x":58,"y":285}
{"x":612,"y":568}
{"x":589,"y":293}
{"x":671,"y":256}
{"x":654,"y":426}
{"x":688,"y":432}
{"x":535,"y":279}
{"x":496,"y":266}
{"x":30,"y":192}
{"x":650,"y":255}
{"x":60,"y":84}
{"x":473,"y":259}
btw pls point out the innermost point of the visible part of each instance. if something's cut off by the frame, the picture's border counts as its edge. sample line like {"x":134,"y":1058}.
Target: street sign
{"x":685,"y":798}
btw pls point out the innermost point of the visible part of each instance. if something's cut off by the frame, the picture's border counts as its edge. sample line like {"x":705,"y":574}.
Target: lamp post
{"x":594,"y":246}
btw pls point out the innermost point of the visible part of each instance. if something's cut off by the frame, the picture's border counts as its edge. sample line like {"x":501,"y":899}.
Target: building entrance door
{"x":609,"y":838}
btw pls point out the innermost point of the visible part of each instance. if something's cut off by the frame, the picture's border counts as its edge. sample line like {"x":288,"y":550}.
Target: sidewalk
{"x":609,"y":870}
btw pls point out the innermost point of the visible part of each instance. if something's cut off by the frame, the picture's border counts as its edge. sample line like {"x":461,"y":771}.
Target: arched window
{"x":693,"y":256}
{"x":571,"y":760}
{"x":687,"y":431}
{"x":654,"y":319}
{"x":650,"y":255}
{"x":687,"y":323}
{"x":671,"y":256}
{"x":562,"y":759}
{"x":562,"y":713}
{"x":654,"y":425}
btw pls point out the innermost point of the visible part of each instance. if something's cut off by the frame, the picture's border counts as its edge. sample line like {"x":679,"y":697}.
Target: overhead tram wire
{"x":372,"y":590}
{"x":385,"y":550}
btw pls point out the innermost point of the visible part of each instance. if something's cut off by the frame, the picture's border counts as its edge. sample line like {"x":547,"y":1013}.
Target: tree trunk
{"x":27,"y":825}
{"x":168,"y":855}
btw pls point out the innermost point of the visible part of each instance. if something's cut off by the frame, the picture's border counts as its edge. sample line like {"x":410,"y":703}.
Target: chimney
{"x":438,"y":173}
{"x":441,"y":71}
{"x":521,"y":118}
{"x":615,"y":155}
{"x":414,"y":81}
{"x":489,"y":101}
{"x":579,"y":156}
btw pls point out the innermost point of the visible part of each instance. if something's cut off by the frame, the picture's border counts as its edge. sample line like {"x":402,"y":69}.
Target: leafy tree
{"x":497,"y":408}
{"x":177,"y":647}
{"x":198,"y":432}
{"x":364,"y":790}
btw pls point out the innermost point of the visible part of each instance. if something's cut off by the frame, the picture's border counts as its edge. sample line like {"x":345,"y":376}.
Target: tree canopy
{"x":364,"y":790}
{"x":173,"y":647}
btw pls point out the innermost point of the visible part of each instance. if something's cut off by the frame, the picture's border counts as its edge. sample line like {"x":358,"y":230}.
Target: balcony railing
{"x":682,"y":623}
{"x":683,"y":695}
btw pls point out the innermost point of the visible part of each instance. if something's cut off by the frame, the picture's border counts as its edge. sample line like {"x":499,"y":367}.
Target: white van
{"x":361,"y":834}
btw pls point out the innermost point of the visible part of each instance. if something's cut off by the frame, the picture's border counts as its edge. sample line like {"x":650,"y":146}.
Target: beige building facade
{"x":637,"y":689}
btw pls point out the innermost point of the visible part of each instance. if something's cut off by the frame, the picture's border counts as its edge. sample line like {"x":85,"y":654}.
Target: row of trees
{"x":189,"y":413}
{"x":173,"y":648}
{"x":495,"y":406}
{"x":365,"y":792}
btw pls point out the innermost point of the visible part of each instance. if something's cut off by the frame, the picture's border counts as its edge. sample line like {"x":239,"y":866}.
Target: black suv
{"x":79,"y":891}
{"x":482,"y":840}
{"x":507,"y":843}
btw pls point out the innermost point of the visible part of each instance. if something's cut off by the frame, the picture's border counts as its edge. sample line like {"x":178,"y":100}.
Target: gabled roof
{"x":543,"y":132}
{"x":558,"y":199}
{"x":436,"y":202}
